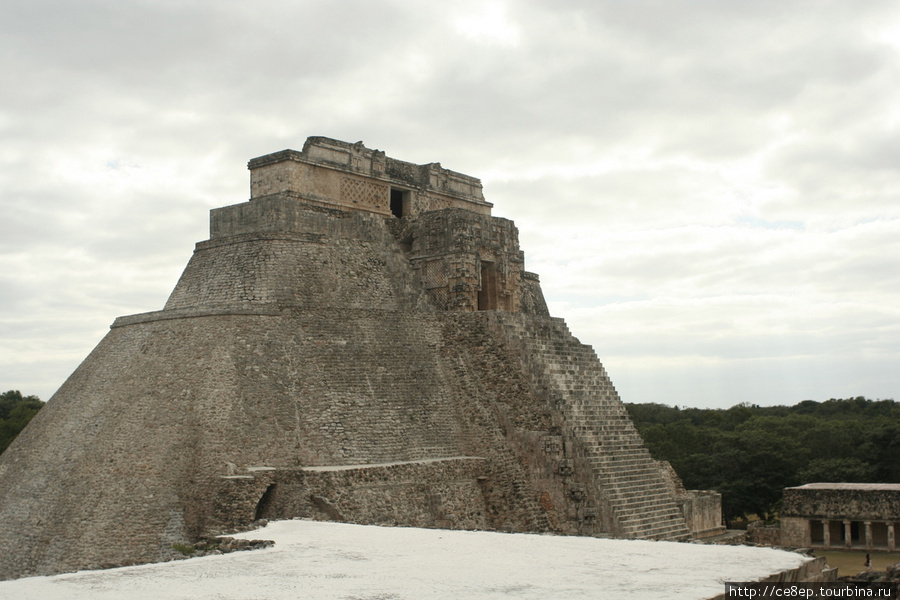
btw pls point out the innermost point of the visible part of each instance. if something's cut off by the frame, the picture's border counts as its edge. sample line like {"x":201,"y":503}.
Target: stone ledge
{"x":425,"y":461}
{"x":240,"y":238}
{"x":267,"y":310}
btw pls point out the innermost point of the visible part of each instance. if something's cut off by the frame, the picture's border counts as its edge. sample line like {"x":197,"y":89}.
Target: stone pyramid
{"x":358,"y":342}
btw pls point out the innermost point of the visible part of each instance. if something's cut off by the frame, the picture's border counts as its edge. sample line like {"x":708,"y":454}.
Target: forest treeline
{"x":750,"y":453}
{"x":16,"y":411}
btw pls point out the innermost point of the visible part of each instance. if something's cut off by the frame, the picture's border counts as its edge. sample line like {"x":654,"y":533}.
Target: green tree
{"x":847,"y":470}
{"x":16,"y":411}
{"x":749,"y":453}
{"x":882,"y":450}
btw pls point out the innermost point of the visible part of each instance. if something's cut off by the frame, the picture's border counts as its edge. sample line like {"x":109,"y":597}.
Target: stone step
{"x":617,"y":453}
{"x":635,"y":464}
{"x":613,"y":478}
{"x":635,"y":507}
{"x":660,"y":526}
{"x":623,"y":497}
{"x":650,"y":521}
{"x":624,"y":443}
{"x":614,"y":456}
{"x":674,"y":535}
{"x":648,"y":481}
{"x":635,"y":515}
{"x":656,"y":528}
{"x":653,"y":525}
{"x":635,"y":494}
{"x":572,"y":379}
{"x":650,"y":502}
{"x":659,"y":533}
{"x":636,"y":467}
{"x":621,"y":480}
{"x":640,"y":513}
{"x":650,"y":490}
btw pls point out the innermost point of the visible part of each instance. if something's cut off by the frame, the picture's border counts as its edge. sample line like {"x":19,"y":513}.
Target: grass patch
{"x":186,"y":550}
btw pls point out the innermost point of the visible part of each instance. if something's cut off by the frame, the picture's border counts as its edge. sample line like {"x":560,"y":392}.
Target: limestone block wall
{"x":759,"y":533}
{"x":702,"y":511}
{"x":452,"y":493}
{"x":279,"y":252}
{"x":446,"y":494}
{"x":531,"y":297}
{"x":281,"y":214}
{"x":470,"y":262}
{"x":795,"y":531}
{"x":843,"y":501}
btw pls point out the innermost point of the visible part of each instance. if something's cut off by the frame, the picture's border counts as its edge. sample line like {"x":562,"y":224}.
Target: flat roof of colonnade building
{"x":881,"y":487}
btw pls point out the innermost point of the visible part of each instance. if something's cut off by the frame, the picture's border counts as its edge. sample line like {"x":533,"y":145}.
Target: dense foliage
{"x":750,"y":453}
{"x":15,"y":413}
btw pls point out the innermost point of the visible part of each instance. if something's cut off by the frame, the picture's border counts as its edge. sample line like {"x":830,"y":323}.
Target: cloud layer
{"x":708,"y":189}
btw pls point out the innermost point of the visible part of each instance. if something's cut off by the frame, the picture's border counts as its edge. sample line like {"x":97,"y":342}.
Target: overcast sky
{"x":708,"y":189}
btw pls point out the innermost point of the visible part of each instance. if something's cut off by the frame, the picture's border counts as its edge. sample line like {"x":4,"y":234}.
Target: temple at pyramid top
{"x":334,"y":193}
{"x":337,"y":174}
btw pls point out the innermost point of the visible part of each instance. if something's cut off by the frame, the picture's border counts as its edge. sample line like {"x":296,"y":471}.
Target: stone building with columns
{"x":862,"y":516}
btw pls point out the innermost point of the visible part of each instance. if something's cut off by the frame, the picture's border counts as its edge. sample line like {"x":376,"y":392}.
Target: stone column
{"x":869,"y":544}
{"x":826,"y":533}
{"x":892,"y":539}
{"x":848,"y":534}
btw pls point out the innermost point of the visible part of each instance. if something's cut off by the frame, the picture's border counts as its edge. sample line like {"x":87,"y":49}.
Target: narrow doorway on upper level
{"x":399,"y":202}
{"x":487,"y":295}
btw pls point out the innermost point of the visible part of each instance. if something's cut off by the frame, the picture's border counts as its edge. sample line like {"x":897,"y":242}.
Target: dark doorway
{"x":855,"y":539}
{"x":836,"y":532}
{"x":399,"y":203}
{"x":880,"y":535}
{"x":817,"y":533}
{"x":264,"y":502}
{"x":487,"y":295}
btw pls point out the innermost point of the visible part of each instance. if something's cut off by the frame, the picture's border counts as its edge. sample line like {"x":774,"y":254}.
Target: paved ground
{"x":313,"y":560}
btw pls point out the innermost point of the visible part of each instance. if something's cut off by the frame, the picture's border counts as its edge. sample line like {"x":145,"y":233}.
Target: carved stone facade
{"x":337,"y":174}
{"x":328,"y":357}
{"x":863,"y":516}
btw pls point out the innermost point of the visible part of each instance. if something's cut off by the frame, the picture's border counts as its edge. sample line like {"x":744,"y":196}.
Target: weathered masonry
{"x":360,"y":341}
{"x":335,"y":174}
{"x":841,"y":515}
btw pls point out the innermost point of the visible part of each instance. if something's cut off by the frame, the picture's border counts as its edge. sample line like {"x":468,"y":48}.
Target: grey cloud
{"x":643,"y":148}
{"x":839,"y":162}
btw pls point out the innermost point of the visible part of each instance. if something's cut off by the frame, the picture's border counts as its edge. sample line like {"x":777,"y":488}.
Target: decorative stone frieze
{"x":841,"y":515}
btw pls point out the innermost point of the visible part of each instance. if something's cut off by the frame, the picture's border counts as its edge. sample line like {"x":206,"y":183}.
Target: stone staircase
{"x":569,"y":376}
